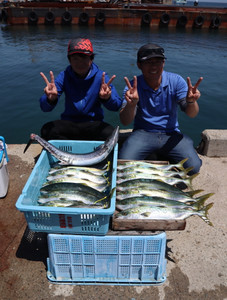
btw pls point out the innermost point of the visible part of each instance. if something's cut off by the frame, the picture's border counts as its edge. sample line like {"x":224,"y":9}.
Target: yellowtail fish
{"x":164,"y":213}
{"x":134,"y":202}
{"x":86,"y":159}
{"x":98,"y":187}
{"x":169,"y":180}
{"x":96,"y":171}
{"x":80,"y":197}
{"x":144,"y":164}
{"x":160,"y":193}
{"x":70,"y":203}
{"x":147,"y":183}
{"x":78,"y":174}
{"x":152,"y":171}
{"x":69,"y":187}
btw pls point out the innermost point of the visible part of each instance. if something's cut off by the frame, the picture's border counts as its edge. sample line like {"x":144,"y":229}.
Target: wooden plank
{"x":152,"y":225}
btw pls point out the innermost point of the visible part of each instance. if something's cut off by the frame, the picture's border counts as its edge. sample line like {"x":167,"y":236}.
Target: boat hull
{"x":128,"y":15}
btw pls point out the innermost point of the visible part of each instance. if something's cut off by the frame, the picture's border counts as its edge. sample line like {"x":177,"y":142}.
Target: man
{"x":86,"y":89}
{"x":151,"y":101}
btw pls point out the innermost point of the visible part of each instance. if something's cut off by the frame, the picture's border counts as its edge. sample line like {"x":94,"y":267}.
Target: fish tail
{"x":204,"y":214}
{"x":188,"y":180}
{"x":199,"y":204}
{"x":181,"y":163}
{"x":204,"y":197}
{"x":192,"y":193}
{"x":186,"y":171}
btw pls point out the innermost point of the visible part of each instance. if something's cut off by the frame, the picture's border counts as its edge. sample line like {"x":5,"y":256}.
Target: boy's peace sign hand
{"x":132,"y":96}
{"x":50,"y":89}
{"x":105,"y":89}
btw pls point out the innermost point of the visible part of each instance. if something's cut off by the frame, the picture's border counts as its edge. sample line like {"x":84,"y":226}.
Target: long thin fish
{"x":87,"y":159}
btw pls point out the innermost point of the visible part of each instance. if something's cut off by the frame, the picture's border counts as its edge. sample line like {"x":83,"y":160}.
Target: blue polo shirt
{"x":157,"y":111}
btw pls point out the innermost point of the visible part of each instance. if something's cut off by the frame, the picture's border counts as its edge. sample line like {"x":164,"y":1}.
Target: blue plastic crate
{"x":122,"y":260}
{"x":64,"y":219}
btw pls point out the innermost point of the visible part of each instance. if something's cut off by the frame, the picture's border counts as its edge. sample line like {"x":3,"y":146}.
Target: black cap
{"x":80,"y":45}
{"x":149,"y":51}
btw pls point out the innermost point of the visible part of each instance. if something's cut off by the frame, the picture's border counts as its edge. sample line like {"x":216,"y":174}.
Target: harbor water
{"x":28,"y":50}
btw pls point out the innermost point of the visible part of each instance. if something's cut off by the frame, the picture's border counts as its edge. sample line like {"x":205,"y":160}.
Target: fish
{"x":79,"y":196}
{"x":98,"y":187}
{"x":144,"y":164}
{"x":157,"y":201}
{"x":147,"y":183}
{"x":78,"y":174}
{"x":69,"y":203}
{"x":160,"y":193}
{"x":86,"y":159}
{"x":96,"y":171}
{"x":164,"y":213}
{"x":70,"y":187}
{"x":152,"y":171}
{"x":169,"y":180}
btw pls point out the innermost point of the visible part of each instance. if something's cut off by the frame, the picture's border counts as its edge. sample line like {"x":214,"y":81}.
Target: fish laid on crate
{"x":152,"y":184}
{"x":146,"y":191}
{"x":134,"y":202}
{"x":164,"y":213}
{"x":170,"y":180}
{"x":86,"y":159}
{"x":143,"y":164}
{"x":152,"y":171}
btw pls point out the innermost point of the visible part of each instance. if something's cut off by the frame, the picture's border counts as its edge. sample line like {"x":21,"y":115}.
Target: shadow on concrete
{"x":33,"y":246}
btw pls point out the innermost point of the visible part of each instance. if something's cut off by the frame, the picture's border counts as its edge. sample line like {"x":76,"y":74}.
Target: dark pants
{"x":68,"y":130}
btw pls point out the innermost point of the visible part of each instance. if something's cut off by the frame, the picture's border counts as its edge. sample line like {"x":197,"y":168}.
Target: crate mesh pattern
{"x":109,"y":259}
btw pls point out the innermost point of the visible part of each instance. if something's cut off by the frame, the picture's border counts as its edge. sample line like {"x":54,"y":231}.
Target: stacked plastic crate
{"x":82,"y":249}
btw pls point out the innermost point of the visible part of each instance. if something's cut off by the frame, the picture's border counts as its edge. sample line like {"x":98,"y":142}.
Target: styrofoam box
{"x":115,"y":259}
{"x":65,"y":219}
{"x":4,"y":174}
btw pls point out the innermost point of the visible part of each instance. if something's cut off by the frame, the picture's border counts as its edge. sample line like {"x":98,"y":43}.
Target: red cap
{"x":80,"y":45}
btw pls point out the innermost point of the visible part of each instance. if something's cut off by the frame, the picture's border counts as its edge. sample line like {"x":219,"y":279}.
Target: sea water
{"x":27,"y":51}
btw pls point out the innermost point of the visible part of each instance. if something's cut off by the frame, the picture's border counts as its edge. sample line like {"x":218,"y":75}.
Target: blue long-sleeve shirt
{"x":82,"y":102}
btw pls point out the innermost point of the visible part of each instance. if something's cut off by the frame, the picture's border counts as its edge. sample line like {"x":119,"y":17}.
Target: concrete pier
{"x":196,"y":257}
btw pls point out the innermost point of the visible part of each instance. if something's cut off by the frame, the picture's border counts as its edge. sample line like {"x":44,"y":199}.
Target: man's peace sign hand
{"x":193,"y":92}
{"x":131,"y":96}
{"x":50,"y":89}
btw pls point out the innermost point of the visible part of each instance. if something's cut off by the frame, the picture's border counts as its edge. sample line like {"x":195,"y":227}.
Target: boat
{"x":156,"y":13}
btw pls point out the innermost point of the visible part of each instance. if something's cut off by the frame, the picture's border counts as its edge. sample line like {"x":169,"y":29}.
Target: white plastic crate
{"x":65,"y":219}
{"x":121,"y":260}
{"x":4,"y":174}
